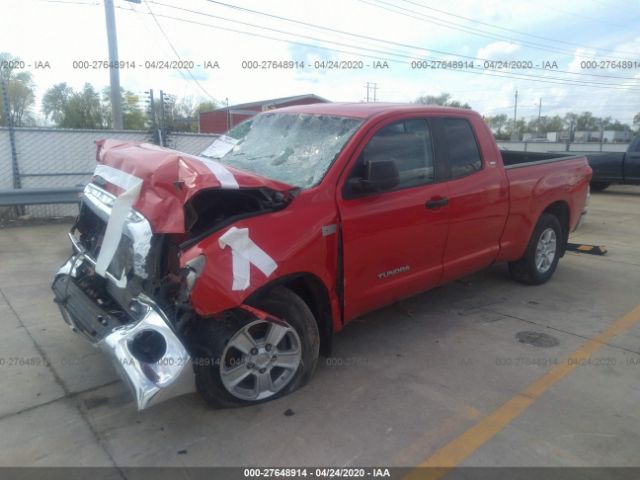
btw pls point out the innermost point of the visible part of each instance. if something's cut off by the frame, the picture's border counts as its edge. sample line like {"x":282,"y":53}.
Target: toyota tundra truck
{"x":228,"y":273}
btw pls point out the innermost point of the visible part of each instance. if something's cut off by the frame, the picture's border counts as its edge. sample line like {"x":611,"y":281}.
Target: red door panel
{"x":392,"y":246}
{"x":478,"y":197}
{"x":393,"y":241}
{"x":478,"y":209}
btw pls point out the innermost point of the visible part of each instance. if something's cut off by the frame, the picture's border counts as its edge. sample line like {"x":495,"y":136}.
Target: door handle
{"x":437,"y":202}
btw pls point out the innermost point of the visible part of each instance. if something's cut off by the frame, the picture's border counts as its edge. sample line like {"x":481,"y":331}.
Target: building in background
{"x":222,"y":119}
{"x":584,"y":136}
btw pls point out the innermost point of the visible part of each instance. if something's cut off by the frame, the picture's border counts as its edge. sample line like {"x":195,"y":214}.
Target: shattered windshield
{"x":293,"y":148}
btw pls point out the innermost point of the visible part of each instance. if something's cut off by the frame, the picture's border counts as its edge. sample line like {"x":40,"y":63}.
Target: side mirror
{"x":381,"y":175}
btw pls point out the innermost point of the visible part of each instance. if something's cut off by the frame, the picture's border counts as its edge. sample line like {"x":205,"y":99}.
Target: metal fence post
{"x":12,"y":136}
{"x":15,"y":167}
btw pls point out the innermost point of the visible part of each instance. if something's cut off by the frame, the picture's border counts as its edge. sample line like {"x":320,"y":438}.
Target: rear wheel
{"x":599,"y":186}
{"x":542,"y":254}
{"x":254,"y":360}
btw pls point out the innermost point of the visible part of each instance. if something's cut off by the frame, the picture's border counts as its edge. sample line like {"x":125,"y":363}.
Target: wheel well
{"x":313,"y":292}
{"x":561,"y":210}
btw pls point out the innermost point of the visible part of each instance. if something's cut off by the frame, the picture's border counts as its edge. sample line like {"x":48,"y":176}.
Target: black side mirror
{"x":381,"y":175}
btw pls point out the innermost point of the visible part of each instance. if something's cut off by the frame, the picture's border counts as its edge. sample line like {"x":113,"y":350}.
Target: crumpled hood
{"x":170,"y":178}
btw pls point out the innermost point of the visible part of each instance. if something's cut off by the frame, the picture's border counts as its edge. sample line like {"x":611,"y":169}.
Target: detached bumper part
{"x":145,"y":351}
{"x":165,"y":372}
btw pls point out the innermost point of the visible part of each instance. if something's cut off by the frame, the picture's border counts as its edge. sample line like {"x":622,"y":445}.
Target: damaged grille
{"x":91,"y":229}
{"x":134,"y":244}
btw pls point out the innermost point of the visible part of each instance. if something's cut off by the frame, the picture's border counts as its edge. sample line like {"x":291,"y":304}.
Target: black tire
{"x":599,"y":186}
{"x":212,"y":336}
{"x":525,"y":270}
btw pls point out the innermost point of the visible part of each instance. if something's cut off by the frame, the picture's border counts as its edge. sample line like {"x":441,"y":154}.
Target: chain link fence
{"x":63,"y":158}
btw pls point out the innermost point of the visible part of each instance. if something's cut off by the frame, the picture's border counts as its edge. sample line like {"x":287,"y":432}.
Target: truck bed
{"x":514,"y":159}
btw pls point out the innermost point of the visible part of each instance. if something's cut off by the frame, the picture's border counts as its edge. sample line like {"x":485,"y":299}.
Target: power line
{"x":573,"y":14}
{"x":519,"y":32}
{"x":144,"y":25}
{"x":342,"y":32}
{"x":69,"y":2}
{"x":499,"y":73}
{"x":472,"y":31}
{"x":526,"y":77}
{"x":176,"y":51}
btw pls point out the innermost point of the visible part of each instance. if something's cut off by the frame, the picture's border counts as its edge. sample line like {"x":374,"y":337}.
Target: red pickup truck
{"x":229,"y":272}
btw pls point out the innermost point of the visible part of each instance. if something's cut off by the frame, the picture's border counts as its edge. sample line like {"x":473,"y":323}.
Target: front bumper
{"x":141,"y":343}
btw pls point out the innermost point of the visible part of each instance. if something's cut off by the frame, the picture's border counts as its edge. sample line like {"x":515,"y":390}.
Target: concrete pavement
{"x":402,"y":382}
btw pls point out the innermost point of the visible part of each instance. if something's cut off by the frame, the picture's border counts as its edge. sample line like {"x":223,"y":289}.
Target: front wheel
{"x":542,"y":254}
{"x":254,"y":360}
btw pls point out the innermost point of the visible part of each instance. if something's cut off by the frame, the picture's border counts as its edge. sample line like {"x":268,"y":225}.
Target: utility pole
{"x":514,"y":135}
{"x":152,"y":113}
{"x":374,"y":87}
{"x":114,"y":72}
{"x":162,"y":125}
{"x":539,"y":114}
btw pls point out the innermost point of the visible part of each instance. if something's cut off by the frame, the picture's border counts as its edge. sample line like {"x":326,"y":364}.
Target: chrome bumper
{"x":152,"y":379}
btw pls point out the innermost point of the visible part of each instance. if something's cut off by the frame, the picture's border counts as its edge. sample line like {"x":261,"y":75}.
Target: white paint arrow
{"x":244,"y":252}
{"x":119,"y":212}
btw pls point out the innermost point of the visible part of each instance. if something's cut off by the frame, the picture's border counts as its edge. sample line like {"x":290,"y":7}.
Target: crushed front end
{"x":136,"y":259}
{"x":131,"y":312}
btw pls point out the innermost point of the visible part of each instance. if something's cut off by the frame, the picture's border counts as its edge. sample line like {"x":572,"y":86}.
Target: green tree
{"x":586,"y":121}
{"x":498,"y":125}
{"x":569,"y":121}
{"x":610,"y":124}
{"x":55,"y":102}
{"x":133,"y":117}
{"x":84,"y":110}
{"x":184,"y":115}
{"x":551,"y":124}
{"x":20,"y":92}
{"x":520,"y":128}
{"x":71,"y":109}
{"x":443,"y":99}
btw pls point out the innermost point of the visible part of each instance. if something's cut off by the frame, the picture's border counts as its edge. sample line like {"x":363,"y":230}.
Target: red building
{"x":222,"y":119}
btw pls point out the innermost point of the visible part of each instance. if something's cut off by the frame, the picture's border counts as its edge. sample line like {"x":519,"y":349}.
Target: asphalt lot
{"x":442,"y":368}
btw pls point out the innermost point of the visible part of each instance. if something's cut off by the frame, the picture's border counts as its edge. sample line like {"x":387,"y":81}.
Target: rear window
{"x":463,"y":153}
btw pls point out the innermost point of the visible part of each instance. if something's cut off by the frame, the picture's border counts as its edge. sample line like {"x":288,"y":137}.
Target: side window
{"x":463,"y":153}
{"x":409,"y":144}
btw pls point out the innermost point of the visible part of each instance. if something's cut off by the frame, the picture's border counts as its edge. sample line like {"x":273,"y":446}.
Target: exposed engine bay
{"x":149,"y":264}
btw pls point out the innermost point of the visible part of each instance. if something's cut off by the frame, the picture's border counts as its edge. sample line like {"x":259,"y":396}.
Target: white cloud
{"x":62,"y":33}
{"x":498,"y":50}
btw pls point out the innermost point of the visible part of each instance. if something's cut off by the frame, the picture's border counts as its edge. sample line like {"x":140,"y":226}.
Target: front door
{"x":394,"y":240}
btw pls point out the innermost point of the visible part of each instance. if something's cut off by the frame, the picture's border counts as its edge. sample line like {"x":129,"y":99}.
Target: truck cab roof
{"x":367,"y":110}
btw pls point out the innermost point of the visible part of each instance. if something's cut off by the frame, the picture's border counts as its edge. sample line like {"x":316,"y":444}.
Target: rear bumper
{"x":583,"y":214}
{"x":144,"y":349}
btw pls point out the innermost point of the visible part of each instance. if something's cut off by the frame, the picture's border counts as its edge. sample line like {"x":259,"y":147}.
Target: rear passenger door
{"x":478,"y":198}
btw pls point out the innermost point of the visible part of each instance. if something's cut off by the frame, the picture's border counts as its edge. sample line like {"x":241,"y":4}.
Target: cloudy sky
{"x":538,"y":33}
